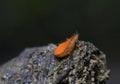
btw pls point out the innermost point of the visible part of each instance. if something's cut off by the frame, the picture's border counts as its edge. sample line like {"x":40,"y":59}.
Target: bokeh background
{"x":31,"y":23}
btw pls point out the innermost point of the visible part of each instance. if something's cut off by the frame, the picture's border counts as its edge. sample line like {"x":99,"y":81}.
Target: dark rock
{"x":85,"y":65}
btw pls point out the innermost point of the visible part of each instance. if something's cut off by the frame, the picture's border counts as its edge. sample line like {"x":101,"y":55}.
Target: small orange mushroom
{"x":66,"y":47}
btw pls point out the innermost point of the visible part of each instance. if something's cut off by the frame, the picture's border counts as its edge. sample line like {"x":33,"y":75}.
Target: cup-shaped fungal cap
{"x":65,"y":48}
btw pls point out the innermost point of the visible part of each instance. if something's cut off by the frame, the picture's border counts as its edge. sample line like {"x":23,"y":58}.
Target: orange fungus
{"x":66,"y":47}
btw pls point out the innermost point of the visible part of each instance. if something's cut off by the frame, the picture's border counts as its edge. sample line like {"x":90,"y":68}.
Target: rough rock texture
{"x":85,"y":65}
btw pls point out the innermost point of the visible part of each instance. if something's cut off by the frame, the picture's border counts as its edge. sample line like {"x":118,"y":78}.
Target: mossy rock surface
{"x":85,"y":65}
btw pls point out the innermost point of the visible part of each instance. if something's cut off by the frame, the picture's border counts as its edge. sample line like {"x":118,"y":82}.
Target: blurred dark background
{"x":30,"y":23}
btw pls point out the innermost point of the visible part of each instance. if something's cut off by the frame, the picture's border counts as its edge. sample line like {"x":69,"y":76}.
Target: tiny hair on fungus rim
{"x":65,"y":48}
